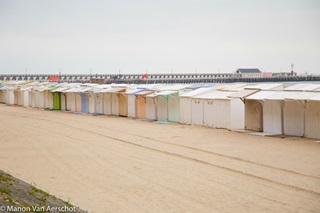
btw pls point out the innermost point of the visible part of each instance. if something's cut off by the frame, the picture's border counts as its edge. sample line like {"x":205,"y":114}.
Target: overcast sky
{"x":164,"y":36}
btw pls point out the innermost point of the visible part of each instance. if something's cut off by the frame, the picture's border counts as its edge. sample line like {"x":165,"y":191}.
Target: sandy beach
{"x":115,"y":164}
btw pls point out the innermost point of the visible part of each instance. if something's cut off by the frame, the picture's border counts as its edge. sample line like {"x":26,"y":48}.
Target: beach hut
{"x":123,"y":103}
{"x":216,"y":109}
{"x":197,"y":107}
{"x":10,"y":92}
{"x":112,"y":100}
{"x":168,"y":103}
{"x":3,"y":92}
{"x":96,"y":99}
{"x":98,"y":103}
{"x":294,"y":113}
{"x":81,"y":97}
{"x":186,"y":104}
{"x":273,"y":112}
{"x":24,"y":95}
{"x":19,"y":96}
{"x":84,"y":100}
{"x":73,"y":99}
{"x":168,"y":106}
{"x":39,"y":96}
{"x":141,"y":105}
{"x":151,"y":106}
{"x":312,"y":117}
{"x":107,"y":103}
{"x":48,"y":97}
{"x":32,"y":97}
{"x":132,"y":102}
{"x":59,"y":98}
{"x":60,"y":94}
{"x":254,"y":110}
{"x":11,"y":100}
{"x":56,"y":100}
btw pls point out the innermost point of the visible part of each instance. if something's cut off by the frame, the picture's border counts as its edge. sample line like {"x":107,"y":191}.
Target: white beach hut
{"x":168,"y":102}
{"x":32,"y":97}
{"x":24,"y":91}
{"x":107,"y":102}
{"x":254,"y":110}
{"x":294,"y":113}
{"x":111,"y":100}
{"x":151,"y":106}
{"x":312,"y":117}
{"x":186,"y":104}
{"x":1,"y":95}
{"x":96,"y":102}
{"x":67,"y":97}
{"x":73,"y":99}
{"x":168,"y":105}
{"x":3,"y":90}
{"x":40,"y":95}
{"x":48,"y":97}
{"x":132,"y":102}
{"x":11,"y":96}
{"x":273,"y":112}
{"x":216,"y":109}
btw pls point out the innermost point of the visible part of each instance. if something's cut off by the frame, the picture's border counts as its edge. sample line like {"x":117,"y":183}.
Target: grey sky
{"x":159,"y":36}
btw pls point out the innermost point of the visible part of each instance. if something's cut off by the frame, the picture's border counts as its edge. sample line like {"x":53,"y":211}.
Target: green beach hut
{"x":56,"y":100}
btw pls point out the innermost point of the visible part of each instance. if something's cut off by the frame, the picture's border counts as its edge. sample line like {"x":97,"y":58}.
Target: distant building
{"x":248,"y":73}
{"x":267,"y":74}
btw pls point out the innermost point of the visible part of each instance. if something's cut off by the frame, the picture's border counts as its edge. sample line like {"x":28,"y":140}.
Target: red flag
{"x":54,"y":78}
{"x":145,"y":76}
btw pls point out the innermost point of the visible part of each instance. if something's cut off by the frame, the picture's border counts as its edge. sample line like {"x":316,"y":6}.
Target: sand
{"x":114,"y":164}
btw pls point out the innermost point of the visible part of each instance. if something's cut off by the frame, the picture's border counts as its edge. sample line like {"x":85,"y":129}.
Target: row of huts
{"x":269,"y":108}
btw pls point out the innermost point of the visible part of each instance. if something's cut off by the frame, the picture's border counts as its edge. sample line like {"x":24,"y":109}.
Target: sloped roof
{"x":113,"y":89}
{"x":243,"y":93}
{"x":248,"y":70}
{"x":281,"y":95}
{"x":134,"y":91}
{"x":234,"y":87}
{"x":311,"y":87}
{"x":261,"y":95}
{"x":167,"y":92}
{"x":145,"y":92}
{"x":296,"y":87}
{"x":303,"y":95}
{"x":314,"y":98}
{"x":152,"y":95}
{"x":196,"y":92}
{"x":213,"y":95}
{"x":60,"y":89}
{"x":265,"y":86}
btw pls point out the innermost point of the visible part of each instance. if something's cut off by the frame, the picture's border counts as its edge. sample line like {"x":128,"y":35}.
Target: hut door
{"x":253,"y":115}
